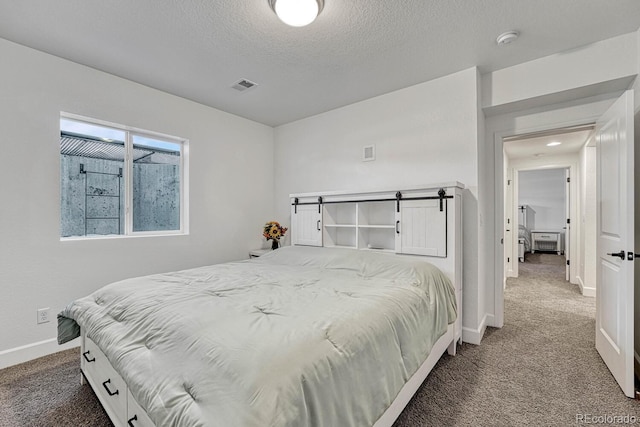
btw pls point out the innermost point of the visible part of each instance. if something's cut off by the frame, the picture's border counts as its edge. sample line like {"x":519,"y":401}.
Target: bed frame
{"x":439,"y":204}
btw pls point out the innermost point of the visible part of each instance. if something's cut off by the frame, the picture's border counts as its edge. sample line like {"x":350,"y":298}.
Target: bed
{"x":302,"y":336}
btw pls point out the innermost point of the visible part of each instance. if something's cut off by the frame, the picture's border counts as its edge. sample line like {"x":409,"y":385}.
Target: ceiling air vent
{"x":244,"y":84}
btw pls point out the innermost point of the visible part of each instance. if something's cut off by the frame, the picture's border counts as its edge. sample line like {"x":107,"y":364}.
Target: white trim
{"x":17,"y":355}
{"x":585,"y":290}
{"x":474,"y":336}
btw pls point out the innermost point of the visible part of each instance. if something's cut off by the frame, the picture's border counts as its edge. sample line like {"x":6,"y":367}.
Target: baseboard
{"x":584,"y":290}
{"x":474,"y":336}
{"x":15,"y":356}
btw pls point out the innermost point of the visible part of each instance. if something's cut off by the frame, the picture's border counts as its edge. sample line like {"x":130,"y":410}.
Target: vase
{"x":275,"y":244}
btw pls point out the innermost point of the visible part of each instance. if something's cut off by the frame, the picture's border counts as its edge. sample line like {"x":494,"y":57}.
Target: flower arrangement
{"x":274,"y":231}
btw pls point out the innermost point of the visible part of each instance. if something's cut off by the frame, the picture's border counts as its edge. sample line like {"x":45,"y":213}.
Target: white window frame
{"x":128,"y":179}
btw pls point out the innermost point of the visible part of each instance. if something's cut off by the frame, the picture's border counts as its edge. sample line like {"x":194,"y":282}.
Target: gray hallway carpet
{"x":540,"y":369}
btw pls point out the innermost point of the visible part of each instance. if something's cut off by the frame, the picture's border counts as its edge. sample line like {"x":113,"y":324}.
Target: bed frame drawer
{"x":108,"y":386}
{"x":136,"y":416}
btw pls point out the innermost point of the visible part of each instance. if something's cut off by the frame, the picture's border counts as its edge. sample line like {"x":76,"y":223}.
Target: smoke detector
{"x":508,"y":37}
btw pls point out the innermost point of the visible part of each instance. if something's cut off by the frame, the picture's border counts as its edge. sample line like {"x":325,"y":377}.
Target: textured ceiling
{"x":355,"y":50}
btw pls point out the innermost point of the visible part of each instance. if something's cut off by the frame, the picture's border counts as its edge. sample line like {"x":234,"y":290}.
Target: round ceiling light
{"x":297,"y":13}
{"x":508,"y":37}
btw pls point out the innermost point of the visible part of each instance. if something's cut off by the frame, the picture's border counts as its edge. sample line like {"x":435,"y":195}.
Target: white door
{"x":567,"y":228}
{"x":306,"y":225}
{"x":614,"y":217}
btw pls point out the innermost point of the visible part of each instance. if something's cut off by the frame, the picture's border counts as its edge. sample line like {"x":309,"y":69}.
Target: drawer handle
{"x":86,"y":358}
{"x":104,"y":384}
{"x":131,"y":420}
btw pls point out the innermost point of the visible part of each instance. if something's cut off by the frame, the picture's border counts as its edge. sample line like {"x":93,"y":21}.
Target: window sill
{"x":123,"y":236}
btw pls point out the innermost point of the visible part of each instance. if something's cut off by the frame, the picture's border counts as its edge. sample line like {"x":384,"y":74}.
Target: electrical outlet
{"x":43,"y":315}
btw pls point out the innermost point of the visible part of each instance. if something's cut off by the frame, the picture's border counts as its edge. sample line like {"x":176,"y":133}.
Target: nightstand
{"x":258,"y":252}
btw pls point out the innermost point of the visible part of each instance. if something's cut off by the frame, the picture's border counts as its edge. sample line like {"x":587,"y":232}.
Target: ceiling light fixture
{"x":297,"y":13}
{"x":508,"y":37}
{"x":553,"y":144}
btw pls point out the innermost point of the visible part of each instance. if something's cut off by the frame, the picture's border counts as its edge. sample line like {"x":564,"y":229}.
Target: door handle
{"x":318,"y":225}
{"x":618,"y":254}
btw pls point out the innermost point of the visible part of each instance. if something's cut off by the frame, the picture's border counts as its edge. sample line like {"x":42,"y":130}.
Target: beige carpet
{"x":541,"y":369}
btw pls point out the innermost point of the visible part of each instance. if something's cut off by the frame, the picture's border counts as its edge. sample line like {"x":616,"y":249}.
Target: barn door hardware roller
{"x":441,"y":194}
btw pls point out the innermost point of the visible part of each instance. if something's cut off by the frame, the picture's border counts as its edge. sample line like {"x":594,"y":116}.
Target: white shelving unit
{"x":339,"y":227}
{"x":413,"y":221}
{"x":359,"y":225}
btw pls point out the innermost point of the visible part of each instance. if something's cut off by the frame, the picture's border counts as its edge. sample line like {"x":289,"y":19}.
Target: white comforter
{"x":299,"y":337}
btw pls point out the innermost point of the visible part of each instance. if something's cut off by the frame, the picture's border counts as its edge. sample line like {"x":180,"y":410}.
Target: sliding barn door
{"x":421,"y":228}
{"x":306,"y":225}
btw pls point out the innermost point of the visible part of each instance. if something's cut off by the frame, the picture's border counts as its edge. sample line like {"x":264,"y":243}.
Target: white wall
{"x":231,"y":189}
{"x":544,"y":191}
{"x":423,"y":134}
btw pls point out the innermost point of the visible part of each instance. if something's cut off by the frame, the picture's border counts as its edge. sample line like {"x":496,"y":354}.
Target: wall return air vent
{"x":243,"y":84}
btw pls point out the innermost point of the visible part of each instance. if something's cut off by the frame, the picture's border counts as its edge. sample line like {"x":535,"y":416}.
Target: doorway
{"x":548,"y":184}
{"x":543,"y":217}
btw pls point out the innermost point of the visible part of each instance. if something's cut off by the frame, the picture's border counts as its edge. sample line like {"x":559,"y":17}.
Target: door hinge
{"x":508,"y":182}
{"x":568,"y":262}
{"x":568,"y":220}
{"x":508,"y":259}
{"x":501,"y":241}
{"x":508,"y":220}
{"x":568,"y":179}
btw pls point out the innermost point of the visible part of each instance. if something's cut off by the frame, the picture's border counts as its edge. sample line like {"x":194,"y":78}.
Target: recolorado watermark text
{"x":606,"y":419}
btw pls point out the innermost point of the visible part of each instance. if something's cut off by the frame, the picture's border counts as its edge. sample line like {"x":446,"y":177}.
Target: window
{"x":115,"y":180}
